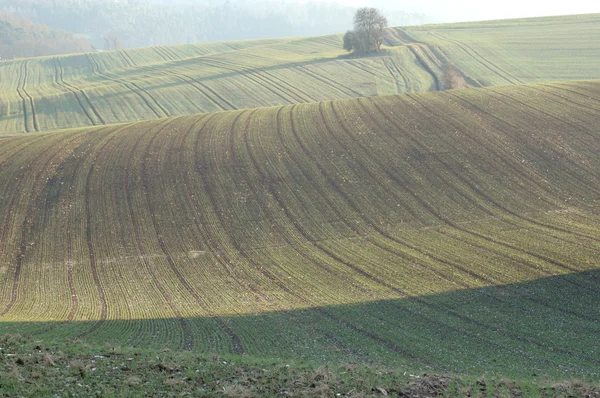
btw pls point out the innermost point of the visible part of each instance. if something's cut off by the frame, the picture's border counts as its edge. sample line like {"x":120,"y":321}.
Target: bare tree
{"x":112,"y":41}
{"x":367,"y":37}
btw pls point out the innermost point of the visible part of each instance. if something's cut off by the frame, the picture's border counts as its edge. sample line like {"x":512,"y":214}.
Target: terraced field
{"x":122,"y":86}
{"x":456,"y":230}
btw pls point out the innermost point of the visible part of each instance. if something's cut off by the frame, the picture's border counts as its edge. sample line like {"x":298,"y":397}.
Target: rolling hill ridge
{"x":450,"y":230}
{"x":53,"y":93}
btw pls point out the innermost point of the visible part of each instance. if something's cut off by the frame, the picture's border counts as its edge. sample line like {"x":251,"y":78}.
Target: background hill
{"x":454,"y":230}
{"x":19,"y":38}
{"x":129,"y":85}
{"x":142,"y":23}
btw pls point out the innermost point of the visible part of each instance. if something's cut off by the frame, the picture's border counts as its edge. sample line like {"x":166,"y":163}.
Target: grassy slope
{"x":520,"y":50}
{"x":32,"y":368}
{"x":80,"y":90}
{"x":405,"y":230}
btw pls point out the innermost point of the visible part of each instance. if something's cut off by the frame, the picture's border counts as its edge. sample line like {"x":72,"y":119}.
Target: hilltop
{"x":452,"y":230}
{"x":45,"y":94}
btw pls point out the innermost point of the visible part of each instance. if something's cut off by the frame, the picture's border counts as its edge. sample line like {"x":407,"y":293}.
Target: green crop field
{"x":454,"y":231}
{"x":52,"y":93}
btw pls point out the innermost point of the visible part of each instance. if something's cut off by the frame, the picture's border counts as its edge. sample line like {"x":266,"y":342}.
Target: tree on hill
{"x":367,"y":36}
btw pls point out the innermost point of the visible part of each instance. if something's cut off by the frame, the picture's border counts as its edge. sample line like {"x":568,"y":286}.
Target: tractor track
{"x":90,"y":243}
{"x":28,"y":220}
{"x":61,"y":82}
{"x":83,"y":93}
{"x":472,"y":321}
{"x":31,"y":100}
{"x":188,"y":335}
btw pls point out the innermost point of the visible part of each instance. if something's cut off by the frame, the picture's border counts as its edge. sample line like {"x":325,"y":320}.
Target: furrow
{"x":10,"y":211}
{"x":425,"y":66}
{"x":200,"y":225}
{"x":376,"y":228}
{"x":370,"y":70}
{"x":186,"y":79}
{"x":93,"y":64}
{"x":253,"y":77}
{"x":203,"y":224}
{"x":61,"y":81}
{"x":526,"y":176}
{"x":85,"y":96}
{"x":133,"y":90}
{"x":28,"y":221}
{"x":23,"y":101}
{"x":31,"y":101}
{"x":398,"y":87}
{"x":213,"y":92}
{"x":162,"y":108}
{"x":122,"y":54}
{"x":464,"y":318}
{"x":236,"y":342}
{"x":454,"y":225}
{"x":569,"y":99}
{"x":188,"y":337}
{"x":404,"y":78}
{"x":341,"y":217}
{"x":291,"y":89}
{"x":481,"y":60}
{"x":475,"y":234}
{"x":90,"y":243}
{"x":330,"y":82}
{"x":489,"y":296}
{"x":128,"y":56}
{"x":161,"y":54}
{"x":304,"y":233}
{"x":510,"y":102}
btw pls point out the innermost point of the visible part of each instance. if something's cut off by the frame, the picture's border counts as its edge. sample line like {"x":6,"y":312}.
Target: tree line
{"x":21,"y":38}
{"x":141,"y":23}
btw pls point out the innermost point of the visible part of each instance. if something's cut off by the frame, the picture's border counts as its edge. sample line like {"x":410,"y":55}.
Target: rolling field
{"x":456,"y":230}
{"x":44,"y":94}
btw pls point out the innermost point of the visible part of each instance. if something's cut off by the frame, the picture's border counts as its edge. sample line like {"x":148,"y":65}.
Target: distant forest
{"x":21,"y":38}
{"x":141,"y":23}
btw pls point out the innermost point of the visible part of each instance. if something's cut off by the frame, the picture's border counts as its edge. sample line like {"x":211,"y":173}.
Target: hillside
{"x":21,"y":38}
{"x":130,"y":85}
{"x":143,"y":23}
{"x":453,"y":230}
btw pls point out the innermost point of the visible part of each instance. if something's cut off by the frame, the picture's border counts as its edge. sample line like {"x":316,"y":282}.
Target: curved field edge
{"x":361,"y":229}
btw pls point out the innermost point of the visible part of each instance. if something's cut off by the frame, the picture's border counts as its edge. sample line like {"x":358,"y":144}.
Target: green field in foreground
{"x":454,"y":231}
{"x":32,"y":368}
{"x":43,"y":94}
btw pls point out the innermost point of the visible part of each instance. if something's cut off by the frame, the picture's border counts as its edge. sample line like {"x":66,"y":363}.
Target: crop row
{"x":371,"y":223}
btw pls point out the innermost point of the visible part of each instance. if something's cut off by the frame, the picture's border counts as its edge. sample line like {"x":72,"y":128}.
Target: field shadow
{"x":549,"y":327}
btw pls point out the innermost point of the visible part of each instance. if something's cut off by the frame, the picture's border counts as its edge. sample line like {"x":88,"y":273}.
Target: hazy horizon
{"x":472,"y":10}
